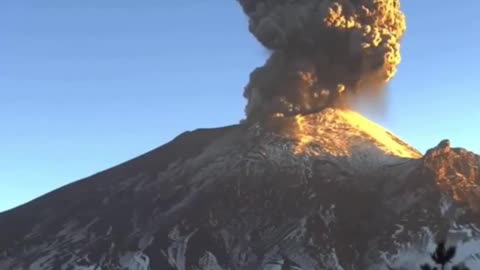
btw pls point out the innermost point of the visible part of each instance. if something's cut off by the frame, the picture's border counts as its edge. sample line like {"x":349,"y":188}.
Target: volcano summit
{"x":330,"y":190}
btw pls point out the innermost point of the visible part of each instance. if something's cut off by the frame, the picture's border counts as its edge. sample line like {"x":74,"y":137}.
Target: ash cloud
{"x":321,"y":52}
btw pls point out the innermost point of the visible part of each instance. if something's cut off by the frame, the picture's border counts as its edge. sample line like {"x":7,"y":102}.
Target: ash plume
{"x":321,"y":52}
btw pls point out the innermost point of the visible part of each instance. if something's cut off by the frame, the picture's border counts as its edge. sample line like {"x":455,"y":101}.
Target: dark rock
{"x":325,"y":191}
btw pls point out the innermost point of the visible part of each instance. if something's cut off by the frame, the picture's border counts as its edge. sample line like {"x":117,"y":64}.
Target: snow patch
{"x":178,"y":248}
{"x":327,"y":215}
{"x":135,"y":261}
{"x":209,"y":262}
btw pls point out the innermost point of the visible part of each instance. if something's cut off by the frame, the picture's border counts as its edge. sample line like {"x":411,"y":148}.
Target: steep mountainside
{"x":325,"y":191}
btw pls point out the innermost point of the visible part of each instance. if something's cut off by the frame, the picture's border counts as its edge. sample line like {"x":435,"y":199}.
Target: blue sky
{"x":85,"y":85}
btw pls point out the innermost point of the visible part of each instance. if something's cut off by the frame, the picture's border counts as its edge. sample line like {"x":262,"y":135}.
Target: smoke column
{"x":321,"y":51}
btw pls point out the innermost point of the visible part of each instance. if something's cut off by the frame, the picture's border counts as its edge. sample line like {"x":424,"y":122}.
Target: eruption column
{"x":321,"y":51}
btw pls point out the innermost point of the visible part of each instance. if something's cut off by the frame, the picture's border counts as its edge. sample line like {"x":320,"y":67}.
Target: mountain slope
{"x":324,"y":191}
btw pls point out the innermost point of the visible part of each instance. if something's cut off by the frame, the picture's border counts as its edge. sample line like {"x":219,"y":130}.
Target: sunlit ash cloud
{"x":321,"y":52}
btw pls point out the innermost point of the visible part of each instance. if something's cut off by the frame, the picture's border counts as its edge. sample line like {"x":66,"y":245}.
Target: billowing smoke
{"x":321,"y":51}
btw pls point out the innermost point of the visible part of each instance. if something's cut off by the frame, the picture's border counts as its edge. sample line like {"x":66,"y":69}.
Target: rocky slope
{"x":324,"y":191}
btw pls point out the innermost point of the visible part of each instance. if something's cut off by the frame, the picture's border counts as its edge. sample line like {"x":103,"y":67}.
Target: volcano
{"x":330,"y":190}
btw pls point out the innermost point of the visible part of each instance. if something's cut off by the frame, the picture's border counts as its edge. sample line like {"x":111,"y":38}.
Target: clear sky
{"x":85,"y":85}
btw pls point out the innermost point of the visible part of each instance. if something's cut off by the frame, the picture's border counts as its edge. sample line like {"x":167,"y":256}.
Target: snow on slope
{"x":324,"y":191}
{"x":341,"y":132}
